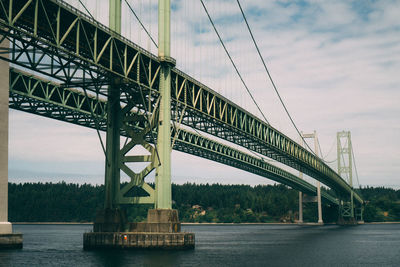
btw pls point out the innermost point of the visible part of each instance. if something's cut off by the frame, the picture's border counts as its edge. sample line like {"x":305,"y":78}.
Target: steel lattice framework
{"x":54,"y":39}
{"x":50,"y":100}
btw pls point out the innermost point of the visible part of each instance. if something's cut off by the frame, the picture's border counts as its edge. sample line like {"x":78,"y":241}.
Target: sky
{"x":336,"y":65}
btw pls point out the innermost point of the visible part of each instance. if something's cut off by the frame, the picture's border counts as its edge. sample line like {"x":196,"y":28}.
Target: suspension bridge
{"x":67,"y":66}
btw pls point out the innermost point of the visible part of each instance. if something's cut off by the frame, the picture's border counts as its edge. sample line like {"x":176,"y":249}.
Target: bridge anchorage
{"x":89,"y":75}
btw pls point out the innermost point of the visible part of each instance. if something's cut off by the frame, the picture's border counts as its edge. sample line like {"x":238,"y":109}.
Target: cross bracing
{"x":54,"y":39}
{"x":35,"y":95}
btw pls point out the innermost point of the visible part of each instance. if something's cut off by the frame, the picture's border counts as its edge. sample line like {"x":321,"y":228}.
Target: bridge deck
{"x":37,"y":96}
{"x":53,"y":38}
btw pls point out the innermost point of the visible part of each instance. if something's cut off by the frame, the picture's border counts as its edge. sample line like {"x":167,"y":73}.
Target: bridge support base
{"x":349,"y":214}
{"x":161,"y":231}
{"x":110,"y":220}
{"x":9,"y":240}
{"x":347,"y":221}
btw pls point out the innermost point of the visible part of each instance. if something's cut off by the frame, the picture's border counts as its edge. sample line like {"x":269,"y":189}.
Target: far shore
{"x":190,"y":223}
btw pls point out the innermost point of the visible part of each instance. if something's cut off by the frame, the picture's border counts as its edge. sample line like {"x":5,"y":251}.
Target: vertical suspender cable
{"x":233,"y":63}
{"x":140,"y":22}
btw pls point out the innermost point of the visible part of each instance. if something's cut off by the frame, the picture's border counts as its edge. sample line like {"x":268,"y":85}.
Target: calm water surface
{"x":220,"y":245}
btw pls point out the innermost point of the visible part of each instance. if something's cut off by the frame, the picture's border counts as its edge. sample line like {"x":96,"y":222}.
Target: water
{"x":220,"y":245}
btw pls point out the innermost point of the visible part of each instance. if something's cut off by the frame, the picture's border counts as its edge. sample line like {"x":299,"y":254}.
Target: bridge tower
{"x":7,"y":238}
{"x":348,"y":212}
{"x":302,"y":198}
{"x":162,"y":229}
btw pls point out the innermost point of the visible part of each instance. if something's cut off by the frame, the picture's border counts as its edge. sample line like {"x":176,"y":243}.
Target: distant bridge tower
{"x":301,"y":198}
{"x":345,"y":170}
{"x":348,"y":211}
{"x":344,"y":154}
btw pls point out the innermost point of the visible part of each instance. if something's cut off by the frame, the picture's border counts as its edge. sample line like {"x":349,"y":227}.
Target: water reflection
{"x":6,"y":257}
{"x":220,"y":245}
{"x":131,"y":257}
{"x":162,"y":258}
{"x":109,"y":257}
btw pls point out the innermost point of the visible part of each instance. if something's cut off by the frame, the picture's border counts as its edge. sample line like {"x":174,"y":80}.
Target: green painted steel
{"x":163,"y":173}
{"x":345,"y":167}
{"x":35,"y":95}
{"x":112,"y":171}
{"x":79,"y":52}
{"x":115,"y":15}
{"x":344,"y":154}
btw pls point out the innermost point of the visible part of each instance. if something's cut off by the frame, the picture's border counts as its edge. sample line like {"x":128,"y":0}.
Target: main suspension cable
{"x":322,"y":155}
{"x":87,"y":10}
{"x":270,"y":77}
{"x":233,"y":63}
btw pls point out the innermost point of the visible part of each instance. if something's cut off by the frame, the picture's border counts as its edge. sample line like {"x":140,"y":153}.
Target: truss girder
{"x":34,"y":95}
{"x":137,"y":179}
{"x":53,"y":38}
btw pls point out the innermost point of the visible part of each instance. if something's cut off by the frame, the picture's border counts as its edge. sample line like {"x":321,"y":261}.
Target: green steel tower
{"x":162,"y":228}
{"x":112,"y":176}
{"x":345,"y":167}
{"x":163,"y":172}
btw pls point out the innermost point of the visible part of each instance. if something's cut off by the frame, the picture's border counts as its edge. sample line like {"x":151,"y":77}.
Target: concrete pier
{"x":161,"y":231}
{"x":11,"y":241}
{"x":137,"y":240}
{"x":7,"y":238}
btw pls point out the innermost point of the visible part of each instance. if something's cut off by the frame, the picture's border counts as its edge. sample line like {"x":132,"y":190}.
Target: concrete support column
{"x":7,"y":238}
{"x":319,"y":202}
{"x":5,"y":226}
{"x":301,"y":200}
{"x":300,"y":207}
{"x":301,"y":193}
{"x":320,"y":221}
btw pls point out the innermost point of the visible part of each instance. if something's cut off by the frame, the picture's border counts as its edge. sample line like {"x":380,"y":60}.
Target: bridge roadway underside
{"x":37,"y":96}
{"x":54,"y":39}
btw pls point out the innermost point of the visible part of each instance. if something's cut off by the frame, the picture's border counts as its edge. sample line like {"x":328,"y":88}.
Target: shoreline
{"x":190,"y":223}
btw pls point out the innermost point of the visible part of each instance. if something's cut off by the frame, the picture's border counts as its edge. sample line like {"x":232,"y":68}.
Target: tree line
{"x":62,"y":202}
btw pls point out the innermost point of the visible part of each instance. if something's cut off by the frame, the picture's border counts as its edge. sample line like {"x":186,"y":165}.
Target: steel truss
{"x":37,"y":96}
{"x":52,"y":38}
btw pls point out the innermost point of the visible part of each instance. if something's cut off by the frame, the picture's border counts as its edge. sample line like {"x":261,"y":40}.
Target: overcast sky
{"x":336,"y":65}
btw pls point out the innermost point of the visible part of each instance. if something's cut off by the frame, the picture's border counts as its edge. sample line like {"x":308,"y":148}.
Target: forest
{"x":62,"y":202}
